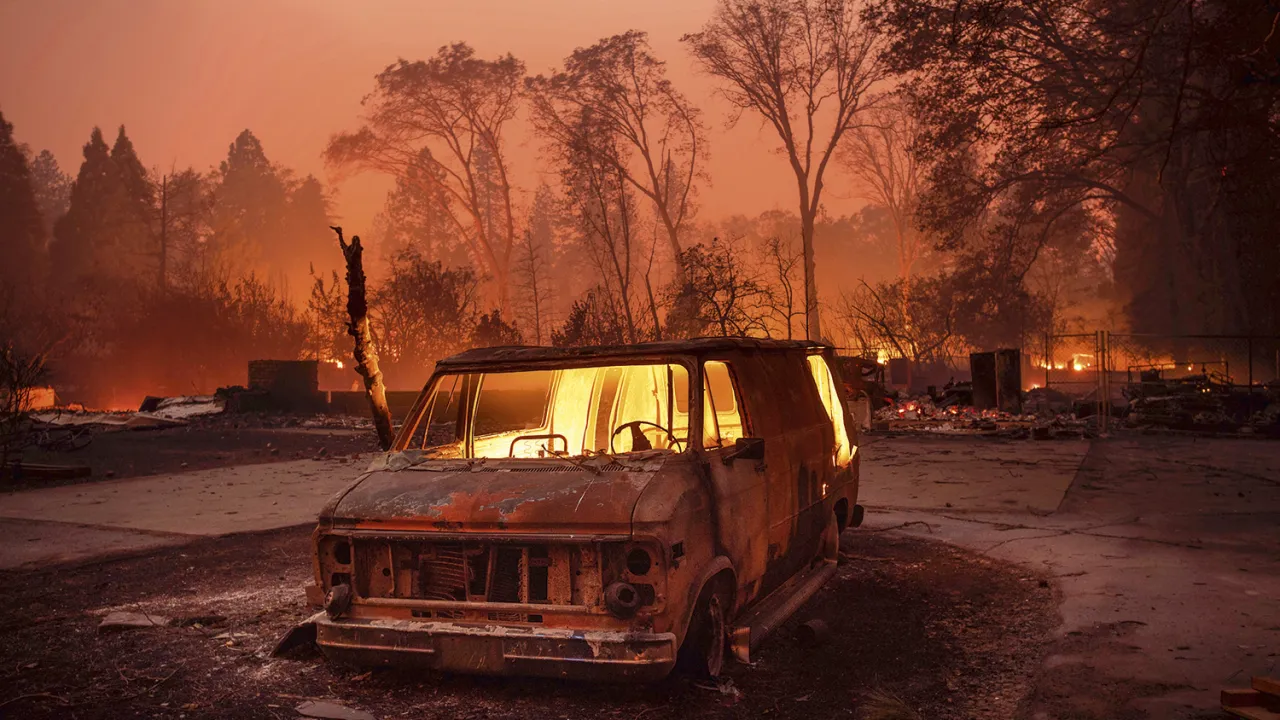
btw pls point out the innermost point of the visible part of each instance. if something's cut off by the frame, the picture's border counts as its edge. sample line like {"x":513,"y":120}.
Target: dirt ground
{"x":204,"y":443}
{"x":950,"y":633}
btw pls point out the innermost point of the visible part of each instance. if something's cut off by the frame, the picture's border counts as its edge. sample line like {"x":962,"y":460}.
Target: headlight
{"x":639,"y":562}
{"x":621,"y":599}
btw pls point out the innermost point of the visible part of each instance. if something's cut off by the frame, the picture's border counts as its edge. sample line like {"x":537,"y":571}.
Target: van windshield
{"x":566,"y":412}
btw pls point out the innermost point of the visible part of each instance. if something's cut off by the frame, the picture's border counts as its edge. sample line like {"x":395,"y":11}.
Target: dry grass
{"x":884,"y":706}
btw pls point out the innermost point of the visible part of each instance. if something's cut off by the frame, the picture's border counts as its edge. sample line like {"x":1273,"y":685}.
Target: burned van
{"x":593,"y":512}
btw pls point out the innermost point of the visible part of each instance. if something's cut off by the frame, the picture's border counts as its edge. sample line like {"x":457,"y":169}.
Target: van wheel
{"x":702,"y":653}
{"x":829,"y":549}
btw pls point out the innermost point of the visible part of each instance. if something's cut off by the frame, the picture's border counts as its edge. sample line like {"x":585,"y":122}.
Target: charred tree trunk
{"x":366,"y":354}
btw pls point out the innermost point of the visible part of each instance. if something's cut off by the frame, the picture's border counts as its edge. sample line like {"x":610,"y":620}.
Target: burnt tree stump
{"x":366,"y":353}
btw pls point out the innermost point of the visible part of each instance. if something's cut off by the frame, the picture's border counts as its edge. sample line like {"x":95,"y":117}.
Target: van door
{"x":802,"y":470}
{"x":740,"y":485}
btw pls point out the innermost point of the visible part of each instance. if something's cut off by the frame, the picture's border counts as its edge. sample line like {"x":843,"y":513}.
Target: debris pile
{"x":946,"y":413}
{"x":183,"y":406}
{"x":1204,"y":401}
{"x":1195,"y":400}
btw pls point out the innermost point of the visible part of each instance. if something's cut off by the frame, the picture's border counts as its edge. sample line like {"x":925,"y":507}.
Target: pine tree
{"x":308,"y":219}
{"x":251,"y":204}
{"x":80,"y":246}
{"x":186,"y":225}
{"x":22,"y":232}
{"x":417,"y":216}
{"x":134,"y":238}
{"x":307,"y":241}
{"x":52,"y":189}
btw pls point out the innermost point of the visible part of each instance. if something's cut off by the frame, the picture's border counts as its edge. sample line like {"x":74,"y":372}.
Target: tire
{"x":703,"y":652}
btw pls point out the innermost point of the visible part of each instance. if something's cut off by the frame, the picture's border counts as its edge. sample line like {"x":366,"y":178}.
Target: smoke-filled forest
{"x":1016,"y":168}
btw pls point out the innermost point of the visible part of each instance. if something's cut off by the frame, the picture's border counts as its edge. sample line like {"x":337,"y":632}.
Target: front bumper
{"x":499,"y":649}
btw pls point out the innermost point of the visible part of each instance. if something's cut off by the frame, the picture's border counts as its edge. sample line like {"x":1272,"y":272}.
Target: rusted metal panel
{"x":580,"y":654}
{"x":567,"y":501}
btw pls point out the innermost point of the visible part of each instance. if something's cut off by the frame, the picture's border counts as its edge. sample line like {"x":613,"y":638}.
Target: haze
{"x":186,"y":77}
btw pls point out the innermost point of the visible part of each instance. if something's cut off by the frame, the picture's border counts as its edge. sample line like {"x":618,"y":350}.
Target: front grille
{"x":507,"y":575}
{"x":468,"y":572}
{"x":442,"y":573}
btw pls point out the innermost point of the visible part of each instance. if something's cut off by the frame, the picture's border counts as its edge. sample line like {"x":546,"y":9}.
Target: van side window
{"x":722,"y":421}
{"x":825,"y":382}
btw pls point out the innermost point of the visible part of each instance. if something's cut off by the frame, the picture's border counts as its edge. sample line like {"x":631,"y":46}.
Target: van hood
{"x":595,"y":497}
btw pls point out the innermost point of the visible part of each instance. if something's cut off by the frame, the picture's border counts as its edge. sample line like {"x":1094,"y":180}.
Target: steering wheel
{"x":638,"y":440}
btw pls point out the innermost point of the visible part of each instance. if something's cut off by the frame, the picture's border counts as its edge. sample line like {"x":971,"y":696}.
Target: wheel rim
{"x":715,"y":636}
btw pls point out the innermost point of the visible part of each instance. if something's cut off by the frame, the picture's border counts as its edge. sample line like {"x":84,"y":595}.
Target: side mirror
{"x":748,"y":449}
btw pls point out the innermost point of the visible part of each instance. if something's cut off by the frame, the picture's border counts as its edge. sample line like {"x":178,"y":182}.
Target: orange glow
{"x":582,"y":408}
{"x":825,"y":381}
{"x":187,"y":77}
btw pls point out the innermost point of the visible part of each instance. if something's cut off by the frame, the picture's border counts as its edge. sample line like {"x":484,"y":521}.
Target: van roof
{"x":509,"y":354}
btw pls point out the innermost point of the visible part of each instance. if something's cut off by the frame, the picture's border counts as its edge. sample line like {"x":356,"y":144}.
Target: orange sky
{"x":185,"y":76}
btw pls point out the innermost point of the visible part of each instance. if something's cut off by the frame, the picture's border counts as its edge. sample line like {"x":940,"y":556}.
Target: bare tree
{"x":424,"y":311}
{"x":802,"y":65}
{"x":186,"y":223}
{"x":727,"y":296}
{"x":879,"y":156}
{"x":454,"y":106}
{"x":874,"y":319}
{"x":603,"y":207}
{"x":326,"y":312}
{"x":30,"y":333}
{"x":531,"y":271}
{"x":782,"y":260}
{"x":648,"y":288}
{"x":534,"y":265}
{"x":659,"y":142}
{"x":593,"y":319}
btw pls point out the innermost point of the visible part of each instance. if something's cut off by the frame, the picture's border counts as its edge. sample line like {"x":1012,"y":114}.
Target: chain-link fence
{"x":1067,"y":363}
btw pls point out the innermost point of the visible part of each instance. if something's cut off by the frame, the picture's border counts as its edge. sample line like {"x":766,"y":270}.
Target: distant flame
{"x":338,"y":363}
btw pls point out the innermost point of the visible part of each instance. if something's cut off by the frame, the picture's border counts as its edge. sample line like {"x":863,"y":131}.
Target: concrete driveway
{"x":1166,"y":552}
{"x":77,"y":522}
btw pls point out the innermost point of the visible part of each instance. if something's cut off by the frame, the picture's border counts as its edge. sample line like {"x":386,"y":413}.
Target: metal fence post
{"x":1098,"y":365}
{"x":1251,"y":369}
{"x":1048,"y":360}
{"x":1103,"y":361}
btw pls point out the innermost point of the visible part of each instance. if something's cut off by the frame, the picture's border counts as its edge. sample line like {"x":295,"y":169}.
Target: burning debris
{"x":990,"y":403}
{"x":949,"y":415}
{"x":1148,"y":396}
